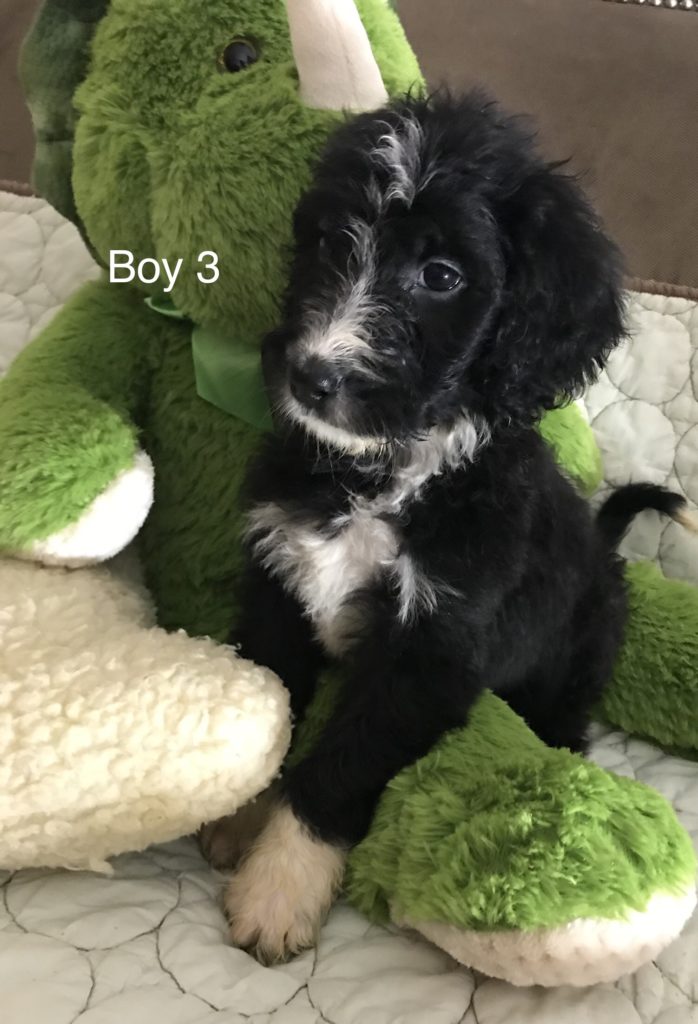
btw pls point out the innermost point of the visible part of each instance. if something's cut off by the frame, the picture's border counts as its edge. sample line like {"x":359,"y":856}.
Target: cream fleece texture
{"x":113,"y":733}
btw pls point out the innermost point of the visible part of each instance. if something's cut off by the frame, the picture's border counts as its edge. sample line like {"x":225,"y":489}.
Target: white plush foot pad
{"x":107,"y":526}
{"x":584,"y":952}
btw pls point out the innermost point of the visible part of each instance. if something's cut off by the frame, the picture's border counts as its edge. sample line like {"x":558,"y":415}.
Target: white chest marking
{"x":326,"y":573}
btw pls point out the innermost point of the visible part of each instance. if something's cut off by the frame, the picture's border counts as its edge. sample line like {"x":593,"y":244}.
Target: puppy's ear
{"x":562,"y":309}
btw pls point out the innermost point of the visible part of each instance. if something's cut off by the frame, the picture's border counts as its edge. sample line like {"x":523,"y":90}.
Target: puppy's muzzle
{"x":314,"y":382}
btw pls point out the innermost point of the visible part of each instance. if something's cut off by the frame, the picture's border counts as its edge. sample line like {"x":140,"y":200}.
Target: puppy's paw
{"x":278,"y":899}
{"x":225,"y":842}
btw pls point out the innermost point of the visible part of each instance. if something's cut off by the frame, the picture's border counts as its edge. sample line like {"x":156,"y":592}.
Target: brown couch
{"x":16,"y":145}
{"x":612,"y":85}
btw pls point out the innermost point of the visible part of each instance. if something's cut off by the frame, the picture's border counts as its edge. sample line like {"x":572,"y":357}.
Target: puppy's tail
{"x":618,"y":511}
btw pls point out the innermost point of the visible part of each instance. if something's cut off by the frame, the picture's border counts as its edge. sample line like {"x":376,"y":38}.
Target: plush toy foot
{"x":529,"y":864}
{"x":113,"y":733}
{"x":654,"y":690}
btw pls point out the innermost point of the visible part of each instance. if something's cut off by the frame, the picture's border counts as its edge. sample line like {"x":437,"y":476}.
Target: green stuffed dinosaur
{"x":178,"y":131}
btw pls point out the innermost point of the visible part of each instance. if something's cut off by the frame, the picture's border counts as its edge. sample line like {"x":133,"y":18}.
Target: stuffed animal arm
{"x":76,"y":484}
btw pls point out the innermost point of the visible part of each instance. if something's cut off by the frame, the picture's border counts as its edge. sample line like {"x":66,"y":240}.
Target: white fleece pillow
{"x":113,"y":733}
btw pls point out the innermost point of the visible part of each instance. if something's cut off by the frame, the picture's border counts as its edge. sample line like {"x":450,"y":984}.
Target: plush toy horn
{"x":333,"y":55}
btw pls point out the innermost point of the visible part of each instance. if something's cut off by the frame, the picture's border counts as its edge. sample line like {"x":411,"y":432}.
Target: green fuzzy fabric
{"x":160,"y":152}
{"x":67,"y":410}
{"x":494,"y":831}
{"x":575,"y":449}
{"x":170,"y":159}
{"x":658,"y":663}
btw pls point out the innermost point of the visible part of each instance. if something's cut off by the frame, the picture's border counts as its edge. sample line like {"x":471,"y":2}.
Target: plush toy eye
{"x":439,"y":276}
{"x":238,"y":55}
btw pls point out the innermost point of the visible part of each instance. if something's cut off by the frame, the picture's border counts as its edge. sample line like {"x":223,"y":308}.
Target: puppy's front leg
{"x":278,"y":898}
{"x":272,"y":631}
{"x":399,"y":700}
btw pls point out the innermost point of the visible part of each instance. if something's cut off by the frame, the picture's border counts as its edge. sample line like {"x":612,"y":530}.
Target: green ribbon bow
{"x":228,"y":370}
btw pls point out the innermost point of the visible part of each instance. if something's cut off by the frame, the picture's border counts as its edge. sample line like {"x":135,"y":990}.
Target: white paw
{"x":107,"y":526}
{"x":278,"y":899}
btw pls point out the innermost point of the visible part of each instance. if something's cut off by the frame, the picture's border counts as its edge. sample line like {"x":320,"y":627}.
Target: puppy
{"x":448,"y":286}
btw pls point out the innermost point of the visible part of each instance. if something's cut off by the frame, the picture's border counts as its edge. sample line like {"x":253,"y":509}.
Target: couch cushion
{"x":613,"y":86}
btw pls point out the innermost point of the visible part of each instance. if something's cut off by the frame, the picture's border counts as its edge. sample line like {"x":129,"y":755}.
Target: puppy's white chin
{"x":336,"y":437}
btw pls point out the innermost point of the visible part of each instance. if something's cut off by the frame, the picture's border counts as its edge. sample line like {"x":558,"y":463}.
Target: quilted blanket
{"x":148,"y":944}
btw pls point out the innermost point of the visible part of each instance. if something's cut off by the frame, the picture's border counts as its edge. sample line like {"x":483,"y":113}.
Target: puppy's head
{"x":442,"y":270}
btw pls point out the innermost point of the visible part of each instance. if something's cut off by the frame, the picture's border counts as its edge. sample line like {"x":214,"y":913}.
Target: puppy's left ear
{"x":562,"y":309}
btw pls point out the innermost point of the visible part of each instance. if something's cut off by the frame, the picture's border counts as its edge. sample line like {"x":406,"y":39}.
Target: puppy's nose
{"x":313,"y":382}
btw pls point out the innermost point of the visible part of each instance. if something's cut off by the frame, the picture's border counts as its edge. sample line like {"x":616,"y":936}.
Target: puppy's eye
{"x":439,"y":276}
{"x":238,"y":55}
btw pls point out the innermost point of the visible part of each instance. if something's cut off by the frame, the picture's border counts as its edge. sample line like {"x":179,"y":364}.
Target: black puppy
{"x":448,"y":287}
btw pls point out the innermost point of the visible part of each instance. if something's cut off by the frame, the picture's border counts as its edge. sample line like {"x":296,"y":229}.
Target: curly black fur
{"x":407,"y":518}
